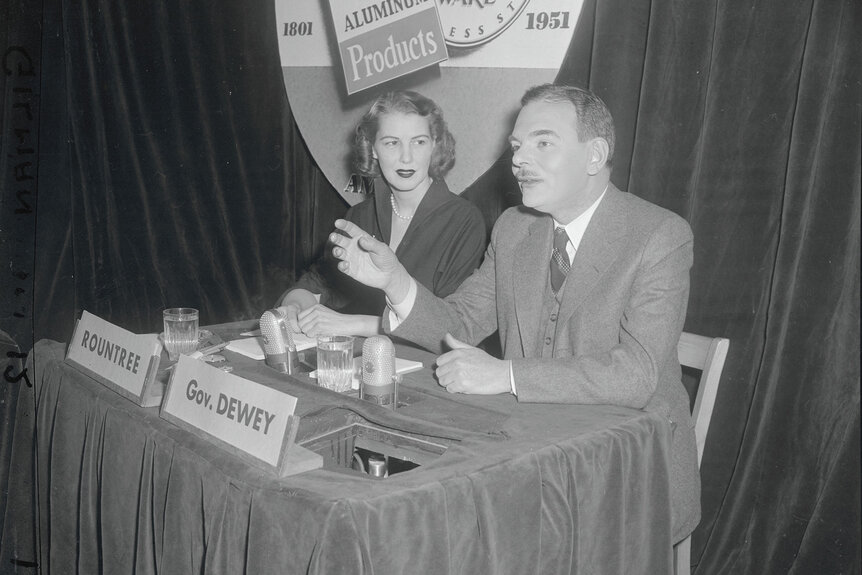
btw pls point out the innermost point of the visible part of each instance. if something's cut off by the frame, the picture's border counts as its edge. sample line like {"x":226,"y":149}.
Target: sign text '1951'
{"x":550,"y":20}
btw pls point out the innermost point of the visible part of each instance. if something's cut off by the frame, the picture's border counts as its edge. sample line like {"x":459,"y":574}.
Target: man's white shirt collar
{"x":576,"y":228}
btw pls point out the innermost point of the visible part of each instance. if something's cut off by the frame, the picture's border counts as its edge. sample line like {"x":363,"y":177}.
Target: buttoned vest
{"x":550,"y":312}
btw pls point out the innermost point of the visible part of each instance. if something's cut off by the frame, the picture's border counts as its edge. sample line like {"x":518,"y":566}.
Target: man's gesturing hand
{"x":468,"y":369}
{"x":369,"y":261}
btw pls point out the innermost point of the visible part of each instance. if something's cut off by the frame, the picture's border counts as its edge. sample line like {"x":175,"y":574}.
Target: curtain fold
{"x":176,"y":173}
{"x":748,"y":125}
{"x":802,"y":425}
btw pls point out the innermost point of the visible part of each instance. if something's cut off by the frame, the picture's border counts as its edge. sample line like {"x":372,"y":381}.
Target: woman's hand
{"x":293,"y":302}
{"x":320,"y":320}
{"x":292,"y":312}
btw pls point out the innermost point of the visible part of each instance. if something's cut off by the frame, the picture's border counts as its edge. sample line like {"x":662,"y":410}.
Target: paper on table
{"x":403,"y":366}
{"x":253,"y":346}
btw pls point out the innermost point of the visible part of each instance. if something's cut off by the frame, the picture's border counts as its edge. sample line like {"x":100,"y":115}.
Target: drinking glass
{"x":181,"y":331}
{"x":335,"y":362}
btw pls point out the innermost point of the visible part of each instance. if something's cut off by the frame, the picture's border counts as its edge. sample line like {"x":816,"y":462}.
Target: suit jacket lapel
{"x":599,"y":248}
{"x":532,"y":259}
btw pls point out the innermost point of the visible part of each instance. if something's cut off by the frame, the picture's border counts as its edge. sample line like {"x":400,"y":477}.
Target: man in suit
{"x":587,"y":285}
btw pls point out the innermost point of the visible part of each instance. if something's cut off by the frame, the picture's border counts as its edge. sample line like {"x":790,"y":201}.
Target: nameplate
{"x":120,"y":360}
{"x":252,"y":421}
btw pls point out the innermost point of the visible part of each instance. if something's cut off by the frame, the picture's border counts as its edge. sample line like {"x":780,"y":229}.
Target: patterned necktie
{"x":559,"y":259}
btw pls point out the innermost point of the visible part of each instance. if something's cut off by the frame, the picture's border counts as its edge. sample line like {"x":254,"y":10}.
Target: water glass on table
{"x":181,"y":331}
{"x":335,"y":362}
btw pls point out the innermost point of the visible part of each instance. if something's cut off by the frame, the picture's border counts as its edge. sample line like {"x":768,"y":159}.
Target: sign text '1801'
{"x":297,"y":28}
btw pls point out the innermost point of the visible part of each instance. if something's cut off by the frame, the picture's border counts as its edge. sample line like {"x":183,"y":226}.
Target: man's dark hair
{"x":594,"y":118}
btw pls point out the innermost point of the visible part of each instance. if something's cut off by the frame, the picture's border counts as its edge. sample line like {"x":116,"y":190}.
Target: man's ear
{"x":599,"y":151}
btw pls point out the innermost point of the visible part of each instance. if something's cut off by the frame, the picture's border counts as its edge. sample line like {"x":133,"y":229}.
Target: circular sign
{"x":469,"y":24}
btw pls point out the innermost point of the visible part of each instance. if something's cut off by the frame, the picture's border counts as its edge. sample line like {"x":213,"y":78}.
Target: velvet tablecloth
{"x":522,"y":488}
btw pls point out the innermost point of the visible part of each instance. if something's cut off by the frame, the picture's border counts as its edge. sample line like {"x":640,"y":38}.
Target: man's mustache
{"x":522,"y":175}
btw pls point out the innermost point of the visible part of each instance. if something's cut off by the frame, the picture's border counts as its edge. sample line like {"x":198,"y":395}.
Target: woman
{"x":404,"y":144}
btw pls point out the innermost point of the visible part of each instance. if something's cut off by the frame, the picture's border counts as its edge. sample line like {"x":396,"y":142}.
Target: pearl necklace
{"x":395,"y":209}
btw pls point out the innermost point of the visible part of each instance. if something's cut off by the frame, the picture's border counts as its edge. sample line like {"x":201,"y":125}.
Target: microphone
{"x":278,"y":346}
{"x":378,"y":372}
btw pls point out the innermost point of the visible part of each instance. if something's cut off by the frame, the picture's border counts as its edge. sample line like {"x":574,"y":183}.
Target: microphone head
{"x":286,"y":332}
{"x":277,"y":339}
{"x":270,"y":329}
{"x":378,"y":371}
{"x":378,"y":361}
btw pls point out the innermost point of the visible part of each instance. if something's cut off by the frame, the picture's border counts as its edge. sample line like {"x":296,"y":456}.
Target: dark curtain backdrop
{"x":178,"y":177}
{"x":171,"y":173}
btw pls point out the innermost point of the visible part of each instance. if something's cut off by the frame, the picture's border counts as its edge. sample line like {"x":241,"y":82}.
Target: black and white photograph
{"x":456,"y":287}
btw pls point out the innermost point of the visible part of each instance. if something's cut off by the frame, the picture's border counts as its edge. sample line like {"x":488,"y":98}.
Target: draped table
{"x":105,"y":486}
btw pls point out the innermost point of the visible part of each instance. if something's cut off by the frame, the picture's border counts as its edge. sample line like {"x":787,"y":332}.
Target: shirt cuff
{"x":399,"y":312}
{"x":512,"y":379}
